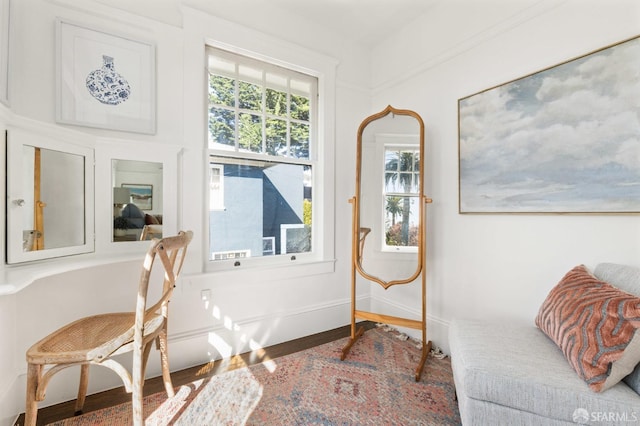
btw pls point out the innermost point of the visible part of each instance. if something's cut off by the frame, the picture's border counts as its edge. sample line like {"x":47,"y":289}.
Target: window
{"x":401,"y":197}
{"x":262,"y":158}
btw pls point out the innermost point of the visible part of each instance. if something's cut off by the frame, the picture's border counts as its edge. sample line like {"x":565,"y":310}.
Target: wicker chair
{"x":95,"y":339}
{"x":151,"y":231}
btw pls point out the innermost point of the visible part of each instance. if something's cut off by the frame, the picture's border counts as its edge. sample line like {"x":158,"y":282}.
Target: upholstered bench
{"x":514,"y":374}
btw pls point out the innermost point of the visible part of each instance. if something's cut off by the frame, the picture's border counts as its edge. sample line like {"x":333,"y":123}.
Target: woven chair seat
{"x":90,"y":338}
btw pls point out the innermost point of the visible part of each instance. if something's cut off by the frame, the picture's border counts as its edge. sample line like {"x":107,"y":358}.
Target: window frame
{"x":399,"y":142}
{"x":320,"y":159}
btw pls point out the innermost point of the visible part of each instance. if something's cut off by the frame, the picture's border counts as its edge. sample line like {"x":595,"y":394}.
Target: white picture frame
{"x":5,"y":22}
{"x":104,"y":80}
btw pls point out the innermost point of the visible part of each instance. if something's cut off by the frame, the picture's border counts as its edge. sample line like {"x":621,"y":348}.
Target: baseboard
{"x":437,"y":328}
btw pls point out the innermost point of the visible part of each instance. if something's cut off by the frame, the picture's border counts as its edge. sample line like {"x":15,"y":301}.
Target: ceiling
{"x":367,"y":22}
{"x":364,"y":21}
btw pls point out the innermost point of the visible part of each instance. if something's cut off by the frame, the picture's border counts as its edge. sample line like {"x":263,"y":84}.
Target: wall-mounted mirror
{"x":49,"y":198}
{"x":389,"y":196}
{"x":137,"y":190}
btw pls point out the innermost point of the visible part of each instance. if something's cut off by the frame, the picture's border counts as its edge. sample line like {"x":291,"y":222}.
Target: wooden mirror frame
{"x":359,"y":234}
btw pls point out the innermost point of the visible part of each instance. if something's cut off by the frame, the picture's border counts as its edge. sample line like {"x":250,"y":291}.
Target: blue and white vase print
{"x":106,"y":85}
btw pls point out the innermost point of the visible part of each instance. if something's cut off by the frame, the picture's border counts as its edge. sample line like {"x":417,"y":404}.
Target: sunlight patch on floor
{"x":223,"y":399}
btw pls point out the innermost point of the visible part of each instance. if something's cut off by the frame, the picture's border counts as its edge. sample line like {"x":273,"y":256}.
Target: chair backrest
{"x":152,"y":231}
{"x":170,"y":251}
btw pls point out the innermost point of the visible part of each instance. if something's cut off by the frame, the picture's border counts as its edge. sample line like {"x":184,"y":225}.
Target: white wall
{"x":247,"y":309}
{"x":498,"y":266}
{"x":495,"y":266}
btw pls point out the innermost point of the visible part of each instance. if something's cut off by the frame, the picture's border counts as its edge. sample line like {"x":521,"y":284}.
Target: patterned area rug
{"x":375,"y":385}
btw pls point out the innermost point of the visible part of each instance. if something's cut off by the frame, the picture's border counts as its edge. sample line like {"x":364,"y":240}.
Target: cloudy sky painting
{"x":566,"y":139}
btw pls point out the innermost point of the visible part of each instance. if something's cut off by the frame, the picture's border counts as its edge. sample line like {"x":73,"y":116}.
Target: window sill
{"x":273,"y":272}
{"x":14,"y":278}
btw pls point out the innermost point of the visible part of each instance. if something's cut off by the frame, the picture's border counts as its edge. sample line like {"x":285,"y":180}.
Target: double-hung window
{"x":262,"y":154}
{"x":401,"y":197}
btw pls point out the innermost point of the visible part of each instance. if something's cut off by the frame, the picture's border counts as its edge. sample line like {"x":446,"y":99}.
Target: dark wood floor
{"x":117,"y":396}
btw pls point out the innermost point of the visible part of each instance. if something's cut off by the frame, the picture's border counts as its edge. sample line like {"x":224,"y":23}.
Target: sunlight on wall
{"x":231,"y":357}
{"x":223,"y":348}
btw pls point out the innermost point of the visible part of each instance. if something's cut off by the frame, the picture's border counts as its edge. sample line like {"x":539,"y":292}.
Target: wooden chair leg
{"x":31,"y":410}
{"x":82,"y":388}
{"x":164,"y":361}
{"x":139,"y":362}
{"x":136,"y":402}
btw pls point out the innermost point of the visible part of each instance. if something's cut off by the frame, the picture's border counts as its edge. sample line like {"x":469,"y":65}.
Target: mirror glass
{"x":50,"y":198}
{"x":390,"y":195}
{"x":137,"y":190}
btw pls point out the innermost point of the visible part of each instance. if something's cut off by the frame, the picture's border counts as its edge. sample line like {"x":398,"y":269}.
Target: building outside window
{"x":262,"y":157}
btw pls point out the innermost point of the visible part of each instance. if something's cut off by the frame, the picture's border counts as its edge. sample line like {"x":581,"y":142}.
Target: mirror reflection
{"x":389,"y":195}
{"x":49,"y":197}
{"x":53,"y":207}
{"x":137,"y":189}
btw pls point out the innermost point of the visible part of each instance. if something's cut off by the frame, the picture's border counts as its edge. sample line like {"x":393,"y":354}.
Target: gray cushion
{"x":626,"y":278}
{"x":518,"y":366}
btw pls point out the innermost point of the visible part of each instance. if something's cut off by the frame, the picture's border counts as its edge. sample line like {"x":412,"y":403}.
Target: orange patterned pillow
{"x":595,"y":325}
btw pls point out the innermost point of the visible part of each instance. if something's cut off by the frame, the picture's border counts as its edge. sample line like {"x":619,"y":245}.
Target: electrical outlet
{"x":205,"y":295}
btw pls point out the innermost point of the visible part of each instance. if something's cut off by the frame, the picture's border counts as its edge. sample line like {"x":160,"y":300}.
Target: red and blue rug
{"x":374,"y":385}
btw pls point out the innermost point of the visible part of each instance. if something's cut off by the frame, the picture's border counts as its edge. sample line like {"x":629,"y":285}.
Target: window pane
{"x":402,"y":171}
{"x":276,"y":80}
{"x":405,"y":161}
{"x":222,"y":127}
{"x":299,"y":140}
{"x":250,"y":133}
{"x":391,"y":160}
{"x":276,"y":137}
{"x":221,"y":65}
{"x":221,"y":90}
{"x":300,"y":86}
{"x":250,"y":96}
{"x":391,"y":182}
{"x":297,"y":239}
{"x":276,"y":102}
{"x":250,"y":73}
{"x":266,"y":209}
{"x":300,"y":108}
{"x":401,"y":221}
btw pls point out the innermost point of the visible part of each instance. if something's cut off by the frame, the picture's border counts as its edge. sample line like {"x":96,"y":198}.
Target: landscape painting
{"x":141,"y":195}
{"x":562,"y":140}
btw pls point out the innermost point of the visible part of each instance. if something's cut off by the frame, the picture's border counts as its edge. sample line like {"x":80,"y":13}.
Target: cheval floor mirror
{"x":388,"y":212}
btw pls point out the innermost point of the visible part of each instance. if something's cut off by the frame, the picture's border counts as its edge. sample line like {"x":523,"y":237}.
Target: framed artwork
{"x":141,"y":195}
{"x":4,"y":50}
{"x":104,"y":80}
{"x":562,"y":140}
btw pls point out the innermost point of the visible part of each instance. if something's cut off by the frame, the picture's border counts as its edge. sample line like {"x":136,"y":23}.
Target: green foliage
{"x":306,"y":212}
{"x":247,"y":127}
{"x":394,"y":208}
{"x":394,"y":236}
{"x":250,"y":132}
